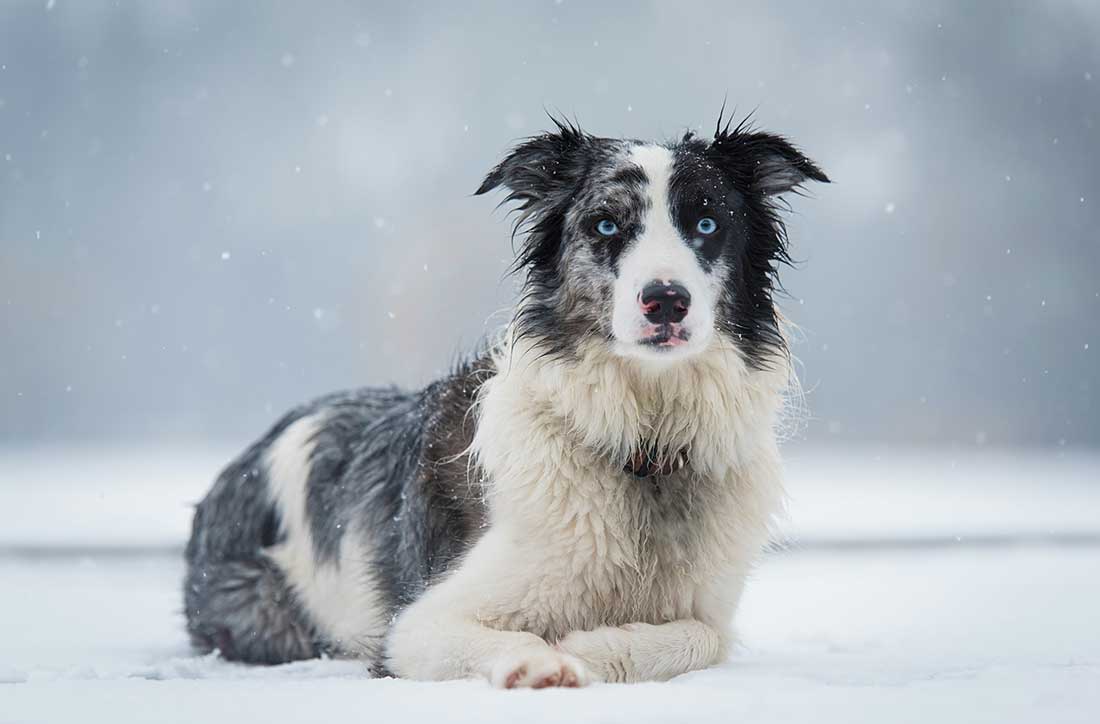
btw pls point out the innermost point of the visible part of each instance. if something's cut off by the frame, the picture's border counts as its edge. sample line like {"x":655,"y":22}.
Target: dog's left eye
{"x":706,"y":225}
{"x":607,"y":227}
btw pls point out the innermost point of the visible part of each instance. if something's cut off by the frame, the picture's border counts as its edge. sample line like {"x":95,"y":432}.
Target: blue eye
{"x":706,"y":225}
{"x":607,"y":227}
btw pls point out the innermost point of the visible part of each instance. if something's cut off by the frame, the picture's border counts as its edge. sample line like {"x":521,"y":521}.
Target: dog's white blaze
{"x":340,"y":596}
{"x":660,"y":253}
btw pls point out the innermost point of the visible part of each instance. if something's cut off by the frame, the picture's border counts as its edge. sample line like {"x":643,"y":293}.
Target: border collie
{"x":581,"y":502}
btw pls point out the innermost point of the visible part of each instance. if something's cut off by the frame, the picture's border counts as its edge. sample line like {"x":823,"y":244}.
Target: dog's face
{"x":652,"y":248}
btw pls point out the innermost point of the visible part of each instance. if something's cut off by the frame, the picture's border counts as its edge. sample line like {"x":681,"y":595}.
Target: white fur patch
{"x":572,"y":546}
{"x":340,"y":596}
{"x":660,"y":252}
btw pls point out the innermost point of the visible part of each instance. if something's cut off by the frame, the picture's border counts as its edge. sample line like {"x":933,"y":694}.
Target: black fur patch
{"x":737,"y":176}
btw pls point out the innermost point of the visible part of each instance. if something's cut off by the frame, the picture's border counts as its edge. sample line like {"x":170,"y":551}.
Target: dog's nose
{"x":664,"y":301}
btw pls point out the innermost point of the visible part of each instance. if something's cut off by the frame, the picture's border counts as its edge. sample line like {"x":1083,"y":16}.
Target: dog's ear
{"x":766,"y":163}
{"x":540,"y":166}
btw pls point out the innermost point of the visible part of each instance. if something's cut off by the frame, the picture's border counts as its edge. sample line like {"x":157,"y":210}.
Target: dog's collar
{"x":647,"y":462}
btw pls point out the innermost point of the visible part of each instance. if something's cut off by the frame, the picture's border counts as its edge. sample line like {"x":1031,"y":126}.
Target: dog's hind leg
{"x":245,"y":610}
{"x":237,"y":600}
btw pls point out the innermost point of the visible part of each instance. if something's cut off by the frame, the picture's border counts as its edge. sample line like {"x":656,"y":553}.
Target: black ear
{"x":540,"y":166}
{"x":768,"y":163}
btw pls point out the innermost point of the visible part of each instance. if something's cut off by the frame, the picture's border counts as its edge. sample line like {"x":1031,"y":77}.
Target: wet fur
{"x":485,"y":526}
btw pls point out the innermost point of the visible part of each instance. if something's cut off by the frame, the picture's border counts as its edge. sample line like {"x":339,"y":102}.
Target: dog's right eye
{"x":607,"y":227}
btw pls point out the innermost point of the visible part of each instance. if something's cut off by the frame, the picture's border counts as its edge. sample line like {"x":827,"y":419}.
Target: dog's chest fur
{"x":613,"y":549}
{"x":623,"y":554}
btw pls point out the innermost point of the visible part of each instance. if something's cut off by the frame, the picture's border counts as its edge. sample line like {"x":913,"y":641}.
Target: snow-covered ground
{"x":926,"y":587}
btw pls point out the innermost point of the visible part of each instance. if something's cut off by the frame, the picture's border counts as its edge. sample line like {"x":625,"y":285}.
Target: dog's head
{"x":653,"y":248}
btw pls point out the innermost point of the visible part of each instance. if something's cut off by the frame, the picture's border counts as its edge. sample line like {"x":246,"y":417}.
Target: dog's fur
{"x":491,"y":524}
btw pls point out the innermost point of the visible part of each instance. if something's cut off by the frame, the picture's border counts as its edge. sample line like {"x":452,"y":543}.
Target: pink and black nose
{"x":664,"y":301}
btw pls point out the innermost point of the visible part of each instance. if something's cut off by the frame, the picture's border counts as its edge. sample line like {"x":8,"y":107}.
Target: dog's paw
{"x":536,"y":668}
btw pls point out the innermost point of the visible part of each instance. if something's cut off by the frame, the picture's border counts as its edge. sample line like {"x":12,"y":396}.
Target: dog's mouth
{"x":666,"y":336}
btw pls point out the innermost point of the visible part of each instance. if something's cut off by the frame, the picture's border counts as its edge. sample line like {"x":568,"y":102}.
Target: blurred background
{"x":211,"y":211}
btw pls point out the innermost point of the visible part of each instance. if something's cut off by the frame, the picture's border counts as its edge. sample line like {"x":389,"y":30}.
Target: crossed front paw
{"x":605,"y":651}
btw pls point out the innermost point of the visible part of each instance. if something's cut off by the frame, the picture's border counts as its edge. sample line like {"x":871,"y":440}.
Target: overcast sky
{"x":210,"y":211}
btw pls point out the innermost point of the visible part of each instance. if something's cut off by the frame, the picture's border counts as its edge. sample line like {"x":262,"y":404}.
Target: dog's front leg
{"x":647,"y":652}
{"x":441,"y":636}
{"x":656,"y":652}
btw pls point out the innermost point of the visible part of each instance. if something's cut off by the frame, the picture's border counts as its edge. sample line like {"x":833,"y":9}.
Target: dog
{"x":583,"y":500}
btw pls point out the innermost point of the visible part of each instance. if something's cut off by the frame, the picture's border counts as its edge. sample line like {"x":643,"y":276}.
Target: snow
{"x":933,"y":494}
{"x":844,"y":625}
{"x":142,"y":497}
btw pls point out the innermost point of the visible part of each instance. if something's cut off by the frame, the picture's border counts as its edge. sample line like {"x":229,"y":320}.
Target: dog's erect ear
{"x":765,"y":162}
{"x":539,"y":166}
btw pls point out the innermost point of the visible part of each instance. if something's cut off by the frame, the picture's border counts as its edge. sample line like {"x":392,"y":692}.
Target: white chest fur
{"x":603,"y":548}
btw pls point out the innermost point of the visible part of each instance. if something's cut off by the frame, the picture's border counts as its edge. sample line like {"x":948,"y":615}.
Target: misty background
{"x":211,"y":211}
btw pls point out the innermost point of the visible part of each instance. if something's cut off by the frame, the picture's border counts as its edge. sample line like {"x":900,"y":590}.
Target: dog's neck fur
{"x":713,"y":404}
